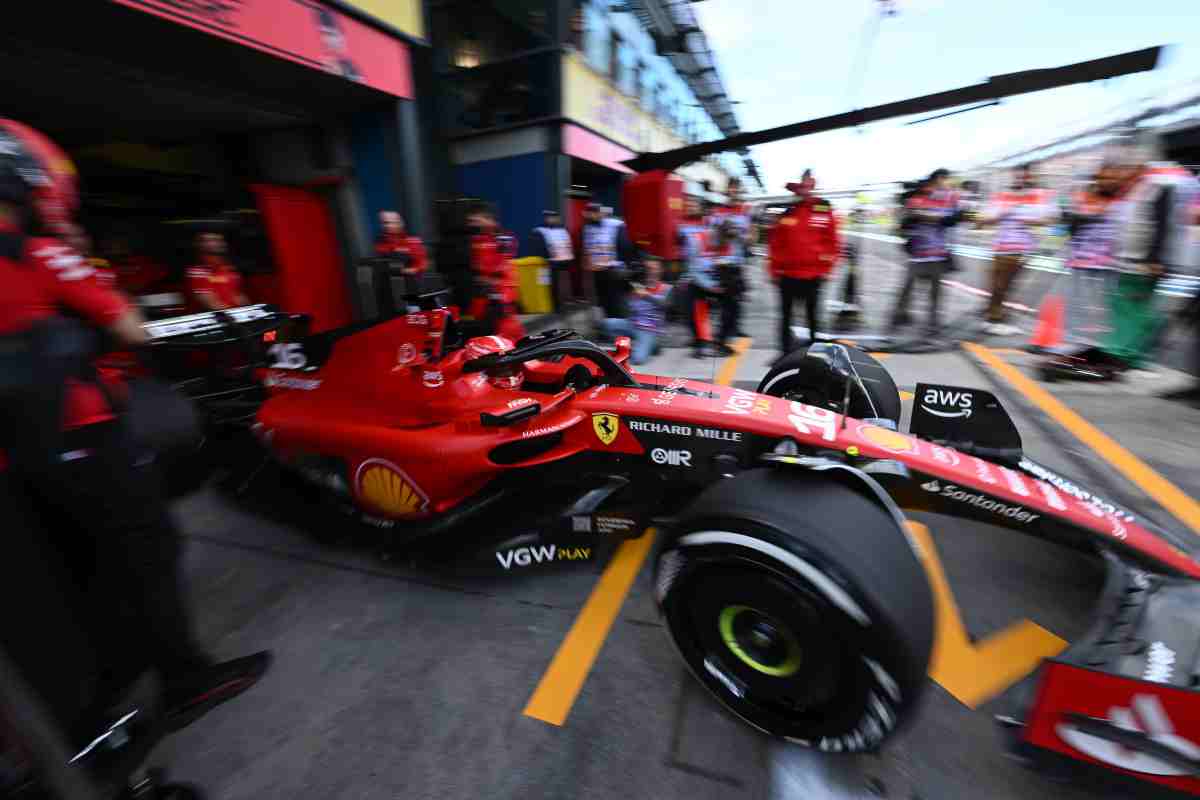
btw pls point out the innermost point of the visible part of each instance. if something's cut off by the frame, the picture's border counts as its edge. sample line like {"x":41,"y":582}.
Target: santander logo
{"x":1145,"y":715}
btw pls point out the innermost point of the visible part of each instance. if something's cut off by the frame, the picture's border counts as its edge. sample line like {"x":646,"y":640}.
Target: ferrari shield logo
{"x":606,"y":427}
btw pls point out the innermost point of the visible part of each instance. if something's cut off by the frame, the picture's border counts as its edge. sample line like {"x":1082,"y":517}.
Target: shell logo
{"x":387,"y":488}
{"x":887,"y":439}
{"x":63,"y":165}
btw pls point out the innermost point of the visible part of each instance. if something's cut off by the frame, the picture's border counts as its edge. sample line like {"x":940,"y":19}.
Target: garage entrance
{"x":173,"y":130}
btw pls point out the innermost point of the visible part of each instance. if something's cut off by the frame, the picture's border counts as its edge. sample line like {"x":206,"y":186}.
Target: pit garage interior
{"x":168,"y":125}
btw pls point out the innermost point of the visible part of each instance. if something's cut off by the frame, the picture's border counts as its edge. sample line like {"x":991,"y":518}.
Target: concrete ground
{"x":392,"y":682}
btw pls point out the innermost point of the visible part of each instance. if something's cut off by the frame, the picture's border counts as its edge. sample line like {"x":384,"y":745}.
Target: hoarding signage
{"x":304,"y":31}
{"x":404,"y":15}
{"x":589,"y":98}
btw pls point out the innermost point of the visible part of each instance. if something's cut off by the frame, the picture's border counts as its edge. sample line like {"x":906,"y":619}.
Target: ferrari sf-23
{"x":784,"y":570}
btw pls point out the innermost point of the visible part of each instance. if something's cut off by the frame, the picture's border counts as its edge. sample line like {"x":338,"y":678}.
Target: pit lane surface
{"x":395,"y":682}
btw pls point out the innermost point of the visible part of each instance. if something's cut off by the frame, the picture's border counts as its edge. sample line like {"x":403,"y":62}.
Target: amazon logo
{"x":948,"y":403}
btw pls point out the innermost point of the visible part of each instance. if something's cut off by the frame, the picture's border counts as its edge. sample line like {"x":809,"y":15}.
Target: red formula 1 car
{"x":784,"y":569}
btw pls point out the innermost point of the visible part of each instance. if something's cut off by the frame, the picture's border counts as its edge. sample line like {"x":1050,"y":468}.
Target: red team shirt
{"x":404,"y":245}
{"x":491,"y":258}
{"x":804,"y":242}
{"x":52,"y":278}
{"x":217,"y":277}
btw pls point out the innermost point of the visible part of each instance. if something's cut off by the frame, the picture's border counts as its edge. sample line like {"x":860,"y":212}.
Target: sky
{"x":792,"y":60}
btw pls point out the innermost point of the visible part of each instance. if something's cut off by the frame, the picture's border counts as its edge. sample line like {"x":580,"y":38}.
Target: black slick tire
{"x":834,"y":609}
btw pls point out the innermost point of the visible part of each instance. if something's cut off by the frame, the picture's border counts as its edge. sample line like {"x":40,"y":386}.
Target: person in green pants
{"x":1137,"y":322}
{"x":1152,"y":234}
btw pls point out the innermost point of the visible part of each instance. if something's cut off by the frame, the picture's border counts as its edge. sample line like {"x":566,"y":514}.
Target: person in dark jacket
{"x":928,"y":213}
{"x":607,"y":254}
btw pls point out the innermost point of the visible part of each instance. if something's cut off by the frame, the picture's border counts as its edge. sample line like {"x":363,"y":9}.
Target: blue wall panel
{"x":373,"y":151}
{"x":516,"y":185}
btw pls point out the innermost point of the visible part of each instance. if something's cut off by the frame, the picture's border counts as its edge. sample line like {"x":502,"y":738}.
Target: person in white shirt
{"x":552,"y":242}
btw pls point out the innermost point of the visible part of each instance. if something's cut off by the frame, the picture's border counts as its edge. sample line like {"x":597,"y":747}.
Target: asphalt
{"x":395,"y":682}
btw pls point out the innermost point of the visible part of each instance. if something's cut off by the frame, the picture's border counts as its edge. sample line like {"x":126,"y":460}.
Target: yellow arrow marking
{"x":975,"y":673}
{"x":730,"y":365}
{"x":563,"y":680}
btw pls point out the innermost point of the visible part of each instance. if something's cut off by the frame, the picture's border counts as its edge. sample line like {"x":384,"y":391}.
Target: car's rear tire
{"x":799,"y":603}
{"x":788,"y":378}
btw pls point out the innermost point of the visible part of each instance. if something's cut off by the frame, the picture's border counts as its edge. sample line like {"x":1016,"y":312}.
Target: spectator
{"x":492,"y":251}
{"x":929,"y":212}
{"x":213,"y":284}
{"x":1015,"y":214}
{"x":804,"y":245}
{"x":552,"y":242}
{"x":1152,"y":236}
{"x":1190,"y":315}
{"x":394,"y":242}
{"x":647,"y":312}
{"x":1090,"y":218}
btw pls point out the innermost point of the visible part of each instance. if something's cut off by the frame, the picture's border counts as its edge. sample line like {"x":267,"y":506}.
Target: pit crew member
{"x":804,"y":246}
{"x":492,"y":252}
{"x":395,"y":242}
{"x":213,"y":284}
{"x":69,"y":451}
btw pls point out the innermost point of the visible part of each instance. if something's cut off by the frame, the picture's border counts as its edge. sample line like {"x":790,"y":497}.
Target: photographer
{"x":606,"y":252}
{"x":735,"y":217}
{"x":727,"y":255}
{"x":928,"y":213}
{"x":647,"y":312}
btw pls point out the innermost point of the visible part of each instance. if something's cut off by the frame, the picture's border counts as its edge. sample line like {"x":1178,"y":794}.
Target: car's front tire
{"x":800,"y":376}
{"x":801,"y":606}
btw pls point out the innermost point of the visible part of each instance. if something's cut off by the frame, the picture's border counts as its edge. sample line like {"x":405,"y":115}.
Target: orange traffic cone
{"x":1049,"y":331}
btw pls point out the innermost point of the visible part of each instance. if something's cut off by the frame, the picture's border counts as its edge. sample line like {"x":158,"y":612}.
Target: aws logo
{"x":952,"y":404}
{"x":387,"y":488}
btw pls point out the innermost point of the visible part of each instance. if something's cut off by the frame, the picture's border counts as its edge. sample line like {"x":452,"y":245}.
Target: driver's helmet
{"x":510,"y":376}
{"x":37,"y":175}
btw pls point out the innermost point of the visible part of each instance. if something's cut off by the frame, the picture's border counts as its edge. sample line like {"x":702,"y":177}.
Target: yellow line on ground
{"x":729,"y":366}
{"x":976,"y":672}
{"x":1163,"y":491}
{"x":560,"y":685}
